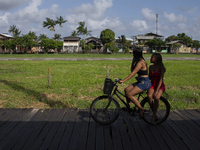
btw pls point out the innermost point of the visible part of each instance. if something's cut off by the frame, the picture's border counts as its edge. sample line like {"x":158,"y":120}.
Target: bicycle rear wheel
{"x":162,"y":113}
{"x":104,"y":109}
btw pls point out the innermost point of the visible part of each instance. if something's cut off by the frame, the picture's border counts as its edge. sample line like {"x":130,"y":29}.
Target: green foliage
{"x":60,"y":21}
{"x":51,"y":44}
{"x":57,"y":37}
{"x":42,"y":36}
{"x":1,"y":43}
{"x":107,"y":36}
{"x":49,"y":23}
{"x":82,"y":30}
{"x":89,"y":47}
{"x":196,"y":44}
{"x":74,"y":33}
{"x":112,"y":47}
{"x":156,"y":42}
{"x":122,"y":40}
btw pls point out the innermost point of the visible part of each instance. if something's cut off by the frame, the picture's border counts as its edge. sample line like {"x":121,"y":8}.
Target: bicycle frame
{"x":118,"y":93}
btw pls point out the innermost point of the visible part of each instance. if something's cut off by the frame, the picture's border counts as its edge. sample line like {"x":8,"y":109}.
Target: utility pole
{"x":156,"y":23}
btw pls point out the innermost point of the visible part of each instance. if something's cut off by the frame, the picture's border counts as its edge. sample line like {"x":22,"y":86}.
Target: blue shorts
{"x":143,"y":83}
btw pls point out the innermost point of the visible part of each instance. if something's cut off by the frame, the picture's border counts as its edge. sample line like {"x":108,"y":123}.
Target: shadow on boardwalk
{"x":74,"y":129}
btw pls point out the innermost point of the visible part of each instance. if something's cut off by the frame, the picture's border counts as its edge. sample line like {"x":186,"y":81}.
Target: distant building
{"x":98,"y":46}
{"x":3,"y":37}
{"x":71,"y":44}
{"x":145,"y":37}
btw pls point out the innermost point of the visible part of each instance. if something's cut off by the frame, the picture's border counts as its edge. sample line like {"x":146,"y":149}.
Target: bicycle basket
{"x":108,"y":86}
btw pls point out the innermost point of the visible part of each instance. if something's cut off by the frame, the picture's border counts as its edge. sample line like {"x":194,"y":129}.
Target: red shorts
{"x":162,"y":87}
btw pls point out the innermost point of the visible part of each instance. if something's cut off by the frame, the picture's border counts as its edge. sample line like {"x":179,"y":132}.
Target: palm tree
{"x":12,"y":29}
{"x":32,"y":35}
{"x":60,"y":21}
{"x":82,"y":30}
{"x":57,"y":37}
{"x":17,"y":32}
{"x":74,"y":33}
{"x":42,"y":36}
{"x":49,"y":23}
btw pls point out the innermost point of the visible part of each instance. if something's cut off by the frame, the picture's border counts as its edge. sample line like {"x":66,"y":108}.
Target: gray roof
{"x":71,"y":38}
{"x":6,"y":35}
{"x":177,"y":41}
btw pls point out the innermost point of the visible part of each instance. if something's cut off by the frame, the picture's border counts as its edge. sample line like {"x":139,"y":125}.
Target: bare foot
{"x":141,"y":113}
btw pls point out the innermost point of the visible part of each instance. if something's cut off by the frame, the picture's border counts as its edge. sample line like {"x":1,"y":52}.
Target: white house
{"x":71,"y":44}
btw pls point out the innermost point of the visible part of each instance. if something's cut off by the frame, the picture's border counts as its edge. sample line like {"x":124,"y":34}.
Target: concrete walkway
{"x":79,"y":59}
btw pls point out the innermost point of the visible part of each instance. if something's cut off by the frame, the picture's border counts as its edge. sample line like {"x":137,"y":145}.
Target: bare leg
{"x":156,"y":104}
{"x":150,"y":98}
{"x":131,"y":95}
{"x":126,"y":90}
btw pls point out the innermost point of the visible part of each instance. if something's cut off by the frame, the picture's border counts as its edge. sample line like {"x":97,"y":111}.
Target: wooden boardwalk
{"x":73,"y":129}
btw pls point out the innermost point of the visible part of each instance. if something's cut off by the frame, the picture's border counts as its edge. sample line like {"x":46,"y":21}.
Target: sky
{"x":124,"y":17}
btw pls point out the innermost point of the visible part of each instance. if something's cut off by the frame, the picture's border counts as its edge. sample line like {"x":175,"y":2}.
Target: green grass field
{"x":24,"y":84}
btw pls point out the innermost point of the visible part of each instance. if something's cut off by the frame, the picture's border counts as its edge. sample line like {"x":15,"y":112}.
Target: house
{"x":182,"y":49}
{"x":3,"y":37}
{"x":145,"y":37}
{"x":71,"y":44}
{"x":98,"y":46}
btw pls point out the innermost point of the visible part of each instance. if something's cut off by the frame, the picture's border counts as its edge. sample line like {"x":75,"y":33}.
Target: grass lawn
{"x":24,"y":84}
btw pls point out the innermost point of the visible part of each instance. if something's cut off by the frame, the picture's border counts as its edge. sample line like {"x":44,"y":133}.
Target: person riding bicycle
{"x":143,"y":83}
{"x":156,"y":75}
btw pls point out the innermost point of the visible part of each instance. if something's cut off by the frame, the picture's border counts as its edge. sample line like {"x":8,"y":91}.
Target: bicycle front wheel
{"x":162,"y":112}
{"x":104,"y":109}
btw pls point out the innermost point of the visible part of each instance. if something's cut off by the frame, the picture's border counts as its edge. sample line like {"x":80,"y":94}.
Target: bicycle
{"x":105,"y":109}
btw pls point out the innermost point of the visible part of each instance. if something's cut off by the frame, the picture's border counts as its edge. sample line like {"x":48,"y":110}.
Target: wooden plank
{"x":196,"y":116}
{"x":189,"y":135}
{"x":14,"y":141}
{"x":84,"y":131}
{"x":132,"y":135}
{"x":6,"y":116}
{"x":7,"y":138}
{"x":73,"y":143}
{"x":148,"y":135}
{"x":190,"y":125}
{"x":123,"y":133}
{"x":57,"y":139}
{"x":175,"y":138}
{"x":91,"y":134}
{"x":56,"y":123}
{"x":3,"y":111}
{"x":8,"y":126}
{"x":38,"y":128}
{"x":117,"y":143}
{"x":68,"y":132}
{"x":99,"y":136}
{"x":181,"y":134}
{"x":46,"y":129}
{"x":139,"y":132}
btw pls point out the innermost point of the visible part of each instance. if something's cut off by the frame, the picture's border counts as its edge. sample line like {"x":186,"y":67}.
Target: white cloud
{"x":173,"y":18}
{"x":140,"y":25}
{"x":11,"y":4}
{"x":88,"y":11}
{"x":148,"y":14}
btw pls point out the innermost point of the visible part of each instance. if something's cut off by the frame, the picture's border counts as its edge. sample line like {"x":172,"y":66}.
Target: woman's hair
{"x":137,"y":53}
{"x":159,"y":59}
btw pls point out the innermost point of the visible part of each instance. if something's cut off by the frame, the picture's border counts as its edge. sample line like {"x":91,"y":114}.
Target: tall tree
{"x":107,"y":36}
{"x":12,"y":29}
{"x":82,"y":30}
{"x":49,"y":23}
{"x":32,"y":35}
{"x":42,"y":36}
{"x":60,"y":21}
{"x":74,"y":33}
{"x":17,"y":32}
{"x":121,"y":40}
{"x":57,"y":37}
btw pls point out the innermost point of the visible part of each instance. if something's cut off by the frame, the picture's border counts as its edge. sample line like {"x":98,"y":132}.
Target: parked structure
{"x":71,"y":44}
